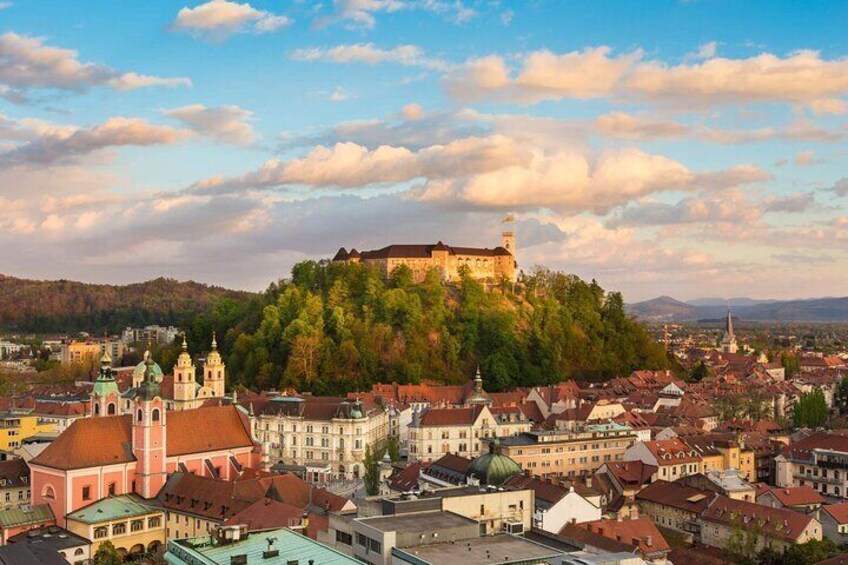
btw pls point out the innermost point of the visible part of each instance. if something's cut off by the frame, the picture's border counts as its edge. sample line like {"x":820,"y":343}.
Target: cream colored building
{"x":461,"y":431}
{"x":569,"y":453}
{"x":327,"y":435}
{"x":188,"y":393}
{"x":483,"y":264}
{"x":132,"y":525}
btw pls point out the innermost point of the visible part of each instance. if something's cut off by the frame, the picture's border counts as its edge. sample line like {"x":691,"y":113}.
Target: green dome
{"x":138,"y":373}
{"x":105,"y":387}
{"x":493,"y":468}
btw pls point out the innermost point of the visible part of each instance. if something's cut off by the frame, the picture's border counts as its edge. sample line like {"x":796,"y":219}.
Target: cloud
{"x":367,"y":53}
{"x":727,"y":206}
{"x":792,"y":203}
{"x":226,"y":124}
{"x":806,"y":158}
{"x":339,"y":95}
{"x":802,"y":77}
{"x":218,"y":19}
{"x":66,"y":146}
{"x":829,"y":106}
{"x":26,"y":63}
{"x":348,"y":165}
{"x":362,"y":14}
{"x":840,"y":188}
{"x":621,"y":125}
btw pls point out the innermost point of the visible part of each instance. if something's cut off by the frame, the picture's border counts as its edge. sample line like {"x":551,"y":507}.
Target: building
{"x":478,"y":551}
{"x":327,"y":435}
{"x":620,"y":481}
{"x":134,"y":453}
{"x":17,"y":426}
{"x":727,"y":483}
{"x":461,"y":431}
{"x":800,"y":499}
{"x":728,"y":339}
{"x":69,"y":547}
{"x":234,"y":545}
{"x":819,"y":460}
{"x":727,"y":519}
{"x":630,"y":534}
{"x":130,"y":523}
{"x":577,"y":453}
{"x":491,"y":265}
{"x":834,"y":521}
{"x":9,"y":349}
{"x":80,"y":352}
{"x":672,"y":457}
{"x":187,"y":392}
{"x":558,"y":504}
{"x":720,"y":452}
{"x":14,"y":483}
{"x":16,"y":520}
{"x":675,"y":506}
{"x":155,"y":334}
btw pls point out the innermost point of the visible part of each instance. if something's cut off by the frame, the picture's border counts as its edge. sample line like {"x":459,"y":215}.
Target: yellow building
{"x":720,"y":453}
{"x":81,"y":352}
{"x":133,"y":526}
{"x":14,"y":428}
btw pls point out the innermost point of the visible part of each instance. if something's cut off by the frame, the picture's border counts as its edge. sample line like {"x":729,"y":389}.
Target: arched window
{"x":48,"y":492}
{"x":96,"y":409}
{"x":155,"y":414}
{"x":79,"y":551}
{"x":111,"y":409}
{"x":139,"y":415}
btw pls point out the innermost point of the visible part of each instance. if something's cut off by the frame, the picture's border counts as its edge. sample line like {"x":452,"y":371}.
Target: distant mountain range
{"x":666,"y":308}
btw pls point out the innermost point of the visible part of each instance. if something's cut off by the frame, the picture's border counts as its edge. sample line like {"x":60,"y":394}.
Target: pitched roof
{"x":640,"y":532}
{"x":773,"y":522}
{"x":672,"y":451}
{"x":450,"y":416}
{"x":631,"y":472}
{"x":676,"y":495}
{"x":92,"y":442}
{"x":803,"y":450}
{"x":267,"y":514}
{"x":839,"y":512}
{"x":14,"y":473}
{"x":796,"y":496}
{"x":26,"y":515}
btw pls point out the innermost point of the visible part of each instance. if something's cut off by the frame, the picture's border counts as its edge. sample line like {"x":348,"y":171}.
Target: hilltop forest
{"x":333,"y":328}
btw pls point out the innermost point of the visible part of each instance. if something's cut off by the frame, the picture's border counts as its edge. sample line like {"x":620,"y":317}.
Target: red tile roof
{"x":267,"y":514}
{"x":772,"y":522}
{"x":640,"y":532}
{"x":796,"y":496}
{"x":803,"y":450}
{"x":839,"y":512}
{"x":676,"y":495}
{"x":450,"y":416}
{"x":92,"y":442}
{"x":672,"y":451}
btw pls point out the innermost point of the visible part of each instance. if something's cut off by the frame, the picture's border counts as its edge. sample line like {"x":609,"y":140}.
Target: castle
{"x":484,"y":264}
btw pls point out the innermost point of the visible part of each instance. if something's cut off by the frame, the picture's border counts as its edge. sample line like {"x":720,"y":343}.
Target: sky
{"x":685,"y":148}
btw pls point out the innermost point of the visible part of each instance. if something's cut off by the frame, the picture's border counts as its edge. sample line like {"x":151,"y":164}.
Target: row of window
{"x":120,"y":528}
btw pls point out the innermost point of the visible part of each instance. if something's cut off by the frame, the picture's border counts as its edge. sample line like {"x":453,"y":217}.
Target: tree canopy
{"x":335,"y":327}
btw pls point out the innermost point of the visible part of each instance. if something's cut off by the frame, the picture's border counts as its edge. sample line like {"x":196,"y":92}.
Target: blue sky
{"x":686,"y":148}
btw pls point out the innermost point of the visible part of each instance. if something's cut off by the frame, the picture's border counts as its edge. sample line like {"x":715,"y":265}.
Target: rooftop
{"x":417,"y":521}
{"x":289,"y":545}
{"x":113,"y":508}
{"x":501,"y":549}
{"x":51,"y":537}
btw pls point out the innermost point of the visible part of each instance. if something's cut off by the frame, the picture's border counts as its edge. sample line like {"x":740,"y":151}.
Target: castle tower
{"x":728,"y":340}
{"x":105,"y":395}
{"x":185,"y":385}
{"x":508,"y":241}
{"x":214,"y":371}
{"x":149,"y":436}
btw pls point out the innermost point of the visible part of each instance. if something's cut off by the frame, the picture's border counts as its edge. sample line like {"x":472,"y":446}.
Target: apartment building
{"x":672,"y":457}
{"x":462,"y":431}
{"x":327,"y":435}
{"x":820,"y":461}
{"x":575,"y":453}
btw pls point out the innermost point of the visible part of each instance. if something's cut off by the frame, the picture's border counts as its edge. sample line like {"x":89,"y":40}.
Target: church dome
{"x":493,"y":468}
{"x":138,"y":372}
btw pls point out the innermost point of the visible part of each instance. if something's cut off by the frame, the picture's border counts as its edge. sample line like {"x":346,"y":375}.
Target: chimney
{"x":270,"y":549}
{"x":649,"y":540}
{"x":634,"y":512}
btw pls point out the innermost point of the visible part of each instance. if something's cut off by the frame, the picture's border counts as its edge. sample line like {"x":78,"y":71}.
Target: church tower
{"x":214,"y":371}
{"x":149,"y":436}
{"x":104,"y":396}
{"x":185,"y":385}
{"x":728,"y":340}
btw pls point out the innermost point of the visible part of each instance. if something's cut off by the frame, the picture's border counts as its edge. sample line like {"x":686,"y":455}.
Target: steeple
{"x":148,"y":435}
{"x":104,"y":395}
{"x":479,"y":396}
{"x":149,"y":388}
{"x":728,"y":340}
{"x":214,"y":371}
{"x":185,"y":382}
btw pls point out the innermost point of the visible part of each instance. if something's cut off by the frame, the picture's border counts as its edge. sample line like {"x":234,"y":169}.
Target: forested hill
{"x":334,"y":328}
{"x":67,"y":306}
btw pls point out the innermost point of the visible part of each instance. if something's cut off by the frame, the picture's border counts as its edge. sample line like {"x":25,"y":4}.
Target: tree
{"x":393,"y":447}
{"x":106,"y":554}
{"x":791,"y":365}
{"x":811,"y":410}
{"x":372,"y":471}
{"x":841,"y":396}
{"x":699,"y":372}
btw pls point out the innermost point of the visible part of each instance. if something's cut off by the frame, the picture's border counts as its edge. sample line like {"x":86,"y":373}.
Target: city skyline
{"x":678,"y":148}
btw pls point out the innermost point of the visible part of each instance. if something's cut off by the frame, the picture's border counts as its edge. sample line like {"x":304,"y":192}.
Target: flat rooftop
{"x":418,"y":521}
{"x":501,"y":549}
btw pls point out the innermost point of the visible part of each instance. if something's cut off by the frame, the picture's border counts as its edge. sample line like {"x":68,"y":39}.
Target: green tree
{"x":791,"y":365}
{"x":841,"y":396}
{"x":371,"y":463}
{"x":106,"y":554}
{"x":393,"y":448}
{"x":811,"y":410}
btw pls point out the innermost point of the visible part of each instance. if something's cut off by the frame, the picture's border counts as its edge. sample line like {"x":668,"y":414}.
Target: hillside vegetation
{"x":334,"y":328}
{"x":68,"y":306}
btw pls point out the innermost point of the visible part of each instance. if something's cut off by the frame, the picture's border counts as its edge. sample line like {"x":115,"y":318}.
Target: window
{"x":154,"y":522}
{"x":111,"y":409}
{"x":86,"y":493}
{"x":101,"y":532}
{"x":155,"y":414}
{"x":111,"y":489}
{"x":8,"y":496}
{"x":118,"y":529}
{"x":344,"y":537}
{"x":139,"y":416}
{"x":136,"y":525}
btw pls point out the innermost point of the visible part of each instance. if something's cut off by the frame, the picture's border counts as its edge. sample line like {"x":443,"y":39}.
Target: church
{"x":484,"y":264}
{"x":180,"y":391}
{"x":113,"y":454}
